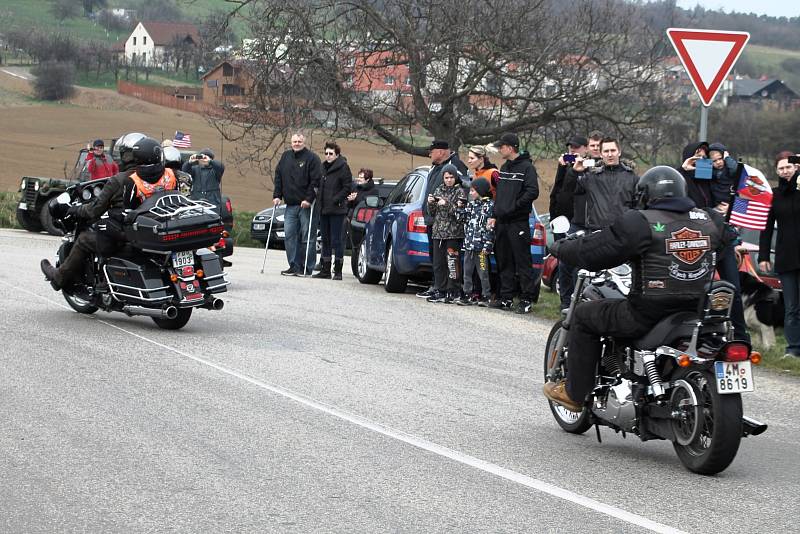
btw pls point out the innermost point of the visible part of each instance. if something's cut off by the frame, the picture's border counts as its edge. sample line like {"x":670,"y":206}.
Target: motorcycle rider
{"x":670,"y":243}
{"x":143,"y":175}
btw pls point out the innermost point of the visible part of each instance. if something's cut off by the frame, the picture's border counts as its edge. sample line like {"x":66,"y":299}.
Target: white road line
{"x":16,"y":75}
{"x":405,"y":437}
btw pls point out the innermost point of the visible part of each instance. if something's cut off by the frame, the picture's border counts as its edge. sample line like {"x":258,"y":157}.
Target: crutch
{"x":308,"y":241}
{"x":269,"y":235}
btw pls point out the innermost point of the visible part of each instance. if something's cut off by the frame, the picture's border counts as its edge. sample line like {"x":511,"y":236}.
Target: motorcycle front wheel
{"x":572,"y":422}
{"x":707,"y":435}
{"x":184,"y":314}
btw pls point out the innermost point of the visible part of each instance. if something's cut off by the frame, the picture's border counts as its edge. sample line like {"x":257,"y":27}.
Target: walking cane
{"x":308,"y":240}
{"x":269,"y":235}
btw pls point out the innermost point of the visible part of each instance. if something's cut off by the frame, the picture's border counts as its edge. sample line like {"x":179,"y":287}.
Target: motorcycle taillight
{"x":735,"y":352}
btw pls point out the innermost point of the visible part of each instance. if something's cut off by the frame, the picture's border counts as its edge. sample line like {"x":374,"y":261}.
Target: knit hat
{"x":452,"y":169}
{"x":481,"y":186}
{"x":717,"y":147}
{"x":207,"y":152}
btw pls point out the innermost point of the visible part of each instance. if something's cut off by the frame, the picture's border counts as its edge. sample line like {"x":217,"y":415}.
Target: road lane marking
{"x":400,"y":435}
{"x":16,"y":75}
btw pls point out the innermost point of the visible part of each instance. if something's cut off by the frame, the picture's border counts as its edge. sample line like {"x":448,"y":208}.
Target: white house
{"x":149,"y":42}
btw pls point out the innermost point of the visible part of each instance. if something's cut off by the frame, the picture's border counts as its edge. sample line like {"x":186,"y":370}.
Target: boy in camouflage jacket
{"x":478,"y":241}
{"x":447,"y":234}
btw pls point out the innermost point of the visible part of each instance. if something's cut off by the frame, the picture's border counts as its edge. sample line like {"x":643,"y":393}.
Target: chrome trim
{"x":123,"y":296}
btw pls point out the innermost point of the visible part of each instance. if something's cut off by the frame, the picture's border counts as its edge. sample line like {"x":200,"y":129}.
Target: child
{"x":447,"y":234}
{"x":478,"y":241}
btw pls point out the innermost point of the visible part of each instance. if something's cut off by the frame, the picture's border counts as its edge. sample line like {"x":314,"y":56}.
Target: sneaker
{"x":289,"y":272}
{"x":557,"y":392}
{"x":483,"y":303}
{"x":524,"y":306}
{"x":464,"y":301}
{"x":501,"y":304}
{"x":449,"y":299}
{"x":426,"y":293}
{"x":436,"y":297}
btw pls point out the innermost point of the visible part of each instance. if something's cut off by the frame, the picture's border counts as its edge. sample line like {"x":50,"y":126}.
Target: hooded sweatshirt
{"x":517,"y":188}
{"x":699,"y":190}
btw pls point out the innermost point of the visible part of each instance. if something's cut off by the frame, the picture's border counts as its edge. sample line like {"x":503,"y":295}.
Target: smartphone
{"x":569,"y":158}
{"x":794,"y":159}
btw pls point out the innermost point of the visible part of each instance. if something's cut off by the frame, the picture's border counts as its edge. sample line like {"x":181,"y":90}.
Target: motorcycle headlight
{"x":86,"y":194}
{"x":97,"y":189}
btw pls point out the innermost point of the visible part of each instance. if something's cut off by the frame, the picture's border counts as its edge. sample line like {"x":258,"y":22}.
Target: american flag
{"x":753,"y":199}
{"x":182,"y":140}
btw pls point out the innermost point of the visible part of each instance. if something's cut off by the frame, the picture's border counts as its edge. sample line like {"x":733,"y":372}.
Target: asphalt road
{"x":310,"y":405}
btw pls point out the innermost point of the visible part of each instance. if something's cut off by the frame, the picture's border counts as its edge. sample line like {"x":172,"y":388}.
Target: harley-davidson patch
{"x":688,"y":245}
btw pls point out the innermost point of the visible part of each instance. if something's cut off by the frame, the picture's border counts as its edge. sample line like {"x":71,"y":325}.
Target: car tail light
{"x":365,"y":215}
{"x":416,"y":222}
{"x":735,"y":352}
{"x":539,"y":236}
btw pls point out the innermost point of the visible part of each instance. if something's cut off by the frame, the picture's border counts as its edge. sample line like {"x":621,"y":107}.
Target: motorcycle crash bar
{"x":170,"y":312}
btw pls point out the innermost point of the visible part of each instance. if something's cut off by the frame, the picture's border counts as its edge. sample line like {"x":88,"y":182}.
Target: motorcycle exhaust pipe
{"x":217,"y":304}
{"x":751,"y":427}
{"x":170,"y":312}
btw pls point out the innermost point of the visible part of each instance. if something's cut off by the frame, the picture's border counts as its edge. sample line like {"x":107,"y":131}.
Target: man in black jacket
{"x":670,"y":243}
{"x":517,"y":188}
{"x":441,"y":155}
{"x":206,"y":173}
{"x":142,"y":174}
{"x":296,"y":182}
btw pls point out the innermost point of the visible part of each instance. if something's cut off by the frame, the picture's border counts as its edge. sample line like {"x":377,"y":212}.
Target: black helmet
{"x":124,"y":147}
{"x":657,"y":183}
{"x":147,"y":151}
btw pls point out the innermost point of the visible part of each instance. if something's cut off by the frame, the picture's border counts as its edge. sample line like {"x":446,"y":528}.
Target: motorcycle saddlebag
{"x":172,"y":222}
{"x":130,"y":281}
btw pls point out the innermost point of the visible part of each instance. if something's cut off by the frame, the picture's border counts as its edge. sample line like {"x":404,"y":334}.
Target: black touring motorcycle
{"x":681,"y":382}
{"x":164,"y":271}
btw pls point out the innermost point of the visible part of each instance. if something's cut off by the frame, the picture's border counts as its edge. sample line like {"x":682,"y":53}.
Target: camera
{"x":795,"y":159}
{"x":589,"y":163}
{"x":569,"y":158}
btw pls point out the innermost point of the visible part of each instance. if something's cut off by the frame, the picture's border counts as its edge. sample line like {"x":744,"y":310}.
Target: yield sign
{"x":707,"y":56}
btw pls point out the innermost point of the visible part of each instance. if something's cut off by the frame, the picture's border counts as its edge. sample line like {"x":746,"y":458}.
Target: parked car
{"x":259,"y":227}
{"x":395,"y":243}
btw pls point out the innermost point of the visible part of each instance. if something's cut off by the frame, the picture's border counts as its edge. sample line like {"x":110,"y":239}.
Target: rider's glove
{"x":73,"y":211}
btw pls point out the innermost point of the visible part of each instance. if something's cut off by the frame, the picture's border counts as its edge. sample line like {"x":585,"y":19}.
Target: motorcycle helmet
{"x":172,"y":158}
{"x":658,"y":183}
{"x":124,"y":148}
{"x":148,"y":156}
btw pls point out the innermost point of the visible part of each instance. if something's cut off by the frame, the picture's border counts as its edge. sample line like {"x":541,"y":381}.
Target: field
{"x":769,"y":62}
{"x":31,"y":128}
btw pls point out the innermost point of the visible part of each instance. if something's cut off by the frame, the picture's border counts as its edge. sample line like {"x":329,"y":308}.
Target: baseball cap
{"x":98,"y":142}
{"x":439,"y":143}
{"x":508,"y":138}
{"x":577,"y":140}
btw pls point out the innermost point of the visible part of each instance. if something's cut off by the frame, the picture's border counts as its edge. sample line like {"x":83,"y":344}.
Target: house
{"x":230,"y":83}
{"x":765,"y":92}
{"x":153,"y":43}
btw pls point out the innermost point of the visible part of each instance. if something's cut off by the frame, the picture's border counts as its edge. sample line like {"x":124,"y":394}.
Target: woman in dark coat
{"x":364,"y":187}
{"x":336,"y":184}
{"x":785,"y":211}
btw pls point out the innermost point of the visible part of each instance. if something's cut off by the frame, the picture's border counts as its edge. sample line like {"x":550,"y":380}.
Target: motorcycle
{"x":682,"y":382}
{"x":164,"y":271}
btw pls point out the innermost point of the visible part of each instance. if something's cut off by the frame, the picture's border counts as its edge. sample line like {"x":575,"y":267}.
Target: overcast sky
{"x":773,"y":8}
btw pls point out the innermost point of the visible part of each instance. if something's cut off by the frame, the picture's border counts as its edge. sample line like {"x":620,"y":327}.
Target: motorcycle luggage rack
{"x":180,"y":206}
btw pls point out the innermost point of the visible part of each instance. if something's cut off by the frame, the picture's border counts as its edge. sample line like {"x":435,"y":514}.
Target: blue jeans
{"x":729,"y":272}
{"x":790,"y":280}
{"x":295,"y":225}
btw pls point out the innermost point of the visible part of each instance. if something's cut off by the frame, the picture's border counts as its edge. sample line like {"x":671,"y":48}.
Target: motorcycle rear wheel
{"x":184,"y":314}
{"x":572,"y":422}
{"x":715,"y":439}
{"x":78,"y":304}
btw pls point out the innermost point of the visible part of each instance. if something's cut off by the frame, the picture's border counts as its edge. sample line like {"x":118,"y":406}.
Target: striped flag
{"x":182,"y":140}
{"x":753,"y":199}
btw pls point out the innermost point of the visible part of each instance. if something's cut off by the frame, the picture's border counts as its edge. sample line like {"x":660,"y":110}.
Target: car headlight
{"x":36,"y":186}
{"x":279,"y":218}
{"x":22,"y":185}
{"x":260,"y":218}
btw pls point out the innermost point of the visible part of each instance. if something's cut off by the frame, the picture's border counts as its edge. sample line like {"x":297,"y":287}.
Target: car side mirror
{"x":560,"y":225}
{"x":372,"y":202}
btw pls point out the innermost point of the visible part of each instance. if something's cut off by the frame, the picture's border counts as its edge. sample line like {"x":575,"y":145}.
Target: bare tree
{"x":65,"y":9}
{"x":462,"y":70}
{"x":53,"y":80}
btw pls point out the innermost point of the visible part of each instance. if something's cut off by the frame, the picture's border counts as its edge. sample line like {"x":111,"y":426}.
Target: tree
{"x":53,"y":80}
{"x":65,"y":9}
{"x":461,"y":70}
{"x":90,"y":5}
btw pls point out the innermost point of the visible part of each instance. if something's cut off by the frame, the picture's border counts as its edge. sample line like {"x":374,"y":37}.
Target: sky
{"x":773,"y":8}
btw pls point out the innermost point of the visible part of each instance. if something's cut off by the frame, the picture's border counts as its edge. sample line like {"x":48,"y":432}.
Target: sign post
{"x":708,"y":57}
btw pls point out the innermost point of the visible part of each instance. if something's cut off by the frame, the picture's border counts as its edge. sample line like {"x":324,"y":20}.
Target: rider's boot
{"x":51,"y":274}
{"x":557,"y":392}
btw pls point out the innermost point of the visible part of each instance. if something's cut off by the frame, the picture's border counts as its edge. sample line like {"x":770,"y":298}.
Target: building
{"x":230,"y":83}
{"x":765,"y":93}
{"x":153,"y":44}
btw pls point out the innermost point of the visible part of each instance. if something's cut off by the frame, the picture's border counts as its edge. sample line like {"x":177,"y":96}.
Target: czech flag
{"x":753,"y":199}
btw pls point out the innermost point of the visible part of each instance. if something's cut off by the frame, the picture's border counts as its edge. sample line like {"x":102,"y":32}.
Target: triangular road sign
{"x":708,"y":56}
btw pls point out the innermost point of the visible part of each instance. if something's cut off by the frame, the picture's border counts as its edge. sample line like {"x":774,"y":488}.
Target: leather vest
{"x":679,"y":261}
{"x":145,"y":190}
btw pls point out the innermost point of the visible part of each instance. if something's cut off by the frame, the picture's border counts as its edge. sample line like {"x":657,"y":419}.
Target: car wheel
{"x":363,"y":273}
{"x":47,"y":221}
{"x":29,"y":221}
{"x":395,"y":282}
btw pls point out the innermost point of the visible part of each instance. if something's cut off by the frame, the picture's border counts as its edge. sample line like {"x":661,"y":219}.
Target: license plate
{"x":182,"y":259}
{"x":259,"y":226}
{"x":23,"y":206}
{"x":733,"y":377}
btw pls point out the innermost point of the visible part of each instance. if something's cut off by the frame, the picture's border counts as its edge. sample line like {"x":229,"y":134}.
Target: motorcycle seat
{"x":672,"y":328}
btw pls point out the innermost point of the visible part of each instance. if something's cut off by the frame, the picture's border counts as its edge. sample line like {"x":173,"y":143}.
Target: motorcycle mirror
{"x":560,"y":225}
{"x":63,"y":198}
